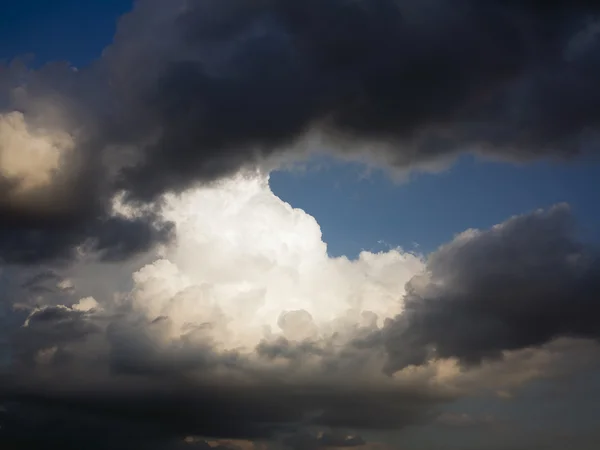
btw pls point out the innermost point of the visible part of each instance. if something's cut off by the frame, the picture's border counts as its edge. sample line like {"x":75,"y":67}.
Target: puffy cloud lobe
{"x":520,"y":284}
{"x":244,"y":260}
{"x":27,"y":161}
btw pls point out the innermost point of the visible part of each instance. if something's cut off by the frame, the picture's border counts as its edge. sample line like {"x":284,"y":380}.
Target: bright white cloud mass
{"x":251,"y":265}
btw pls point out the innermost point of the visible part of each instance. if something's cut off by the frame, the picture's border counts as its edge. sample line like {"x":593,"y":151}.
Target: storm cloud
{"x":520,"y":284}
{"x":192,"y":91}
{"x":233,"y":82}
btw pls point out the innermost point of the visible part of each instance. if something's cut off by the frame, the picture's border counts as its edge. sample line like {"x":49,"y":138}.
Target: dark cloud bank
{"x":517,"y":285}
{"x":190,"y":94}
{"x":190,"y":91}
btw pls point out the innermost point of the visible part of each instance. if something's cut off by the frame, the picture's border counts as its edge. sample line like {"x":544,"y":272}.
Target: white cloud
{"x":243,"y":257}
{"x":85,"y":304}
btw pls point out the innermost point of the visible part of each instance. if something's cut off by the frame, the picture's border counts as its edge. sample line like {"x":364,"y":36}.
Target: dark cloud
{"x":520,"y":284}
{"x":50,"y":329}
{"x":315,"y":441}
{"x":236,"y":80}
{"x":77,"y":375}
{"x":55,"y":220}
{"x":173,"y":409}
{"x":191,"y":91}
{"x":112,"y":238}
{"x":32,"y":427}
{"x":43,"y":282}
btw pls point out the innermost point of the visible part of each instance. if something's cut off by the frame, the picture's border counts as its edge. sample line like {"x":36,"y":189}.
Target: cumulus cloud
{"x":192,"y":91}
{"x":241,"y":328}
{"x":522,"y":283}
{"x":261,"y":258}
{"x":244,"y":328}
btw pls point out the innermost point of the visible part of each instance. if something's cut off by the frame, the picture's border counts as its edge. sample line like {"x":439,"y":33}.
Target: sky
{"x":272,"y":225}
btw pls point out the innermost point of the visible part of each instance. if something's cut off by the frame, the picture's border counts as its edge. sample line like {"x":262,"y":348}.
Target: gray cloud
{"x":38,"y":240}
{"x":191,"y":91}
{"x":232,"y":81}
{"x":173,"y":409}
{"x":58,"y":201}
{"x":520,"y":284}
{"x":78,"y":374}
{"x":315,"y":441}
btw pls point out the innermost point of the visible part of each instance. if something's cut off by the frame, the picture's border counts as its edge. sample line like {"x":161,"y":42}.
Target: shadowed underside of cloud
{"x":192,"y":91}
{"x":165,"y":412}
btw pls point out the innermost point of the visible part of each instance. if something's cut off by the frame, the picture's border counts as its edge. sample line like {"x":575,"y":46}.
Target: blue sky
{"x":354,"y":212}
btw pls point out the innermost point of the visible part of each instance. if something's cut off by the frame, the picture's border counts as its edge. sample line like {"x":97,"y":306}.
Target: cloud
{"x":464,"y":420}
{"x":420,"y":82}
{"x":244,"y":328}
{"x":314,"y":441}
{"x":430,"y":80}
{"x":520,"y":284}
{"x":179,"y":99}
{"x":53,"y":200}
{"x":241,"y":328}
{"x":29,"y":161}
